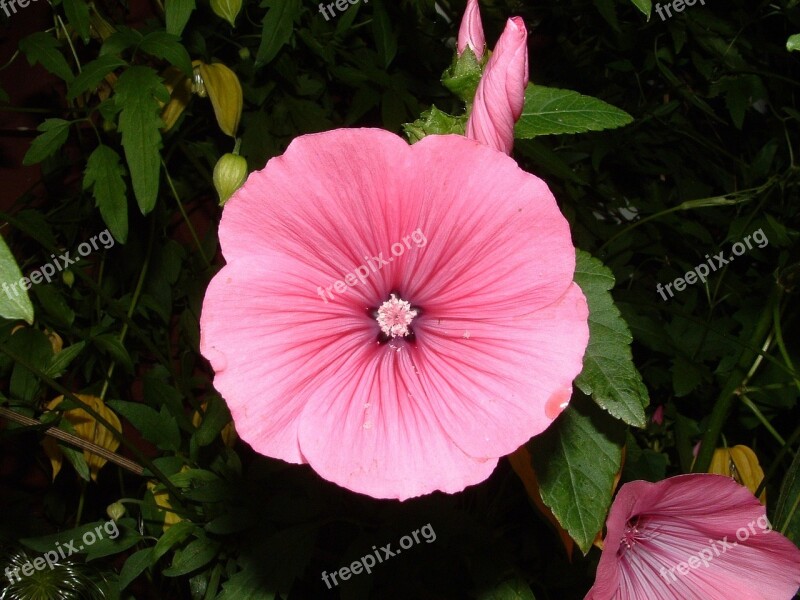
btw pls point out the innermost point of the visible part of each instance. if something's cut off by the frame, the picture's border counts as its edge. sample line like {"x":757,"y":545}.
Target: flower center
{"x":394,"y":317}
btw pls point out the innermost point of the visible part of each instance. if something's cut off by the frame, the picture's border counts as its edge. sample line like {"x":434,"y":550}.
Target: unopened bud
{"x":68,"y":277}
{"x":115,"y":511}
{"x":227,"y":9}
{"x":230,"y":173}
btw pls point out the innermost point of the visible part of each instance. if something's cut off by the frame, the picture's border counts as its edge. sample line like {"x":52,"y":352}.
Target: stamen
{"x":394,"y":317}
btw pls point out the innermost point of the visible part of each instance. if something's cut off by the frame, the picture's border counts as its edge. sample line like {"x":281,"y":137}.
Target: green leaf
{"x":137,"y":93}
{"x":159,"y":428}
{"x":124,"y":537}
{"x":645,"y":6}
{"x":167,"y":46}
{"x":787,"y":510}
{"x":14,"y":300}
{"x":75,"y":458}
{"x":111,"y":344}
{"x":172,"y":536}
{"x":247,"y":584}
{"x":277,"y":27}
{"x":35,"y":347}
{"x":385,"y":37}
{"x":576,"y":460}
{"x":104,"y":173}
{"x":92,"y":74}
{"x":60,"y":362}
{"x":177,"y":14}
{"x":793,"y":43}
{"x":215,"y":418}
{"x":48,"y":542}
{"x":512,"y":589}
{"x":609,"y":374}
{"x":45,"y":49}
{"x":196,"y":555}
{"x":54,"y":134}
{"x":77,"y":12}
{"x":549,"y":111}
{"x":135,"y":566}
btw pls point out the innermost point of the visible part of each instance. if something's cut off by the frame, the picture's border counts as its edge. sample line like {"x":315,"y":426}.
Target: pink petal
{"x":694,"y":516}
{"x":501,"y":92}
{"x":471,"y":31}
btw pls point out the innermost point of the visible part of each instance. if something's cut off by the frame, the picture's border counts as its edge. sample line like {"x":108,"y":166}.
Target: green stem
{"x":740,"y":375}
{"x":81,"y":500}
{"x":776,"y":463}
{"x":185,"y":216}
{"x":760,"y":416}
{"x":134,"y":299}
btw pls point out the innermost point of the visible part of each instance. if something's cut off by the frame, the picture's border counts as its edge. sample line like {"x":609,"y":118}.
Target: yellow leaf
{"x":741,"y":463}
{"x":180,"y":90}
{"x":161,"y":496}
{"x":86,"y":428}
{"x":223,"y":87}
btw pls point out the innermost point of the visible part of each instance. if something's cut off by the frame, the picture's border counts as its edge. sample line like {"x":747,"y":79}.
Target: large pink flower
{"x":470,"y":33}
{"x":500,"y":96}
{"x":396,"y":316}
{"x":693,"y":537}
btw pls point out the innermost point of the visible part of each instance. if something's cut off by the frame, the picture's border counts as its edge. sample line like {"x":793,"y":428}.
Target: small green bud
{"x":434,"y":121}
{"x":115,"y":511}
{"x":68,"y":277}
{"x":464,"y":74}
{"x":244,"y":53}
{"x":227,"y":9}
{"x":230,"y":173}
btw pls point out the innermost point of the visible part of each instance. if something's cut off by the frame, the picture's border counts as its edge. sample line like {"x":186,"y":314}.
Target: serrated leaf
{"x":177,"y":14}
{"x":60,"y":362}
{"x":787,"y":510}
{"x":54,"y":134}
{"x":167,"y":46}
{"x":138,"y":91}
{"x":45,"y":49}
{"x":92,"y":74}
{"x":14,"y":300}
{"x":793,"y":43}
{"x":77,"y":12}
{"x":104,"y":174}
{"x":276,"y":29}
{"x":645,"y":6}
{"x":247,"y":584}
{"x":159,"y":428}
{"x":577,"y":460}
{"x":549,"y":111}
{"x":135,"y":566}
{"x":609,"y":374}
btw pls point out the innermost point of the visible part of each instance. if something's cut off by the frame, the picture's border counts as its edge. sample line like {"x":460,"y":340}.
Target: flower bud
{"x":68,"y":277}
{"x":230,"y":173}
{"x":227,"y":9}
{"x":115,"y":511}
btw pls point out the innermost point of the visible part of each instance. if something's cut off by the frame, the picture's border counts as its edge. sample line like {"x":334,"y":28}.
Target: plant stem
{"x":738,"y":377}
{"x":185,"y":216}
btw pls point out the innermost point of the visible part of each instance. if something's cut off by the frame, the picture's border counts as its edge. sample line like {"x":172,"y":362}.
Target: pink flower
{"x":693,"y":537}
{"x":471,"y":31}
{"x":501,"y":91}
{"x":399,"y":317}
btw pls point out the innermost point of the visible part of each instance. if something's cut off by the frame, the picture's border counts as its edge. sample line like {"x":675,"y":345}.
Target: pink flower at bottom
{"x":693,"y":537}
{"x":398,"y":317}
